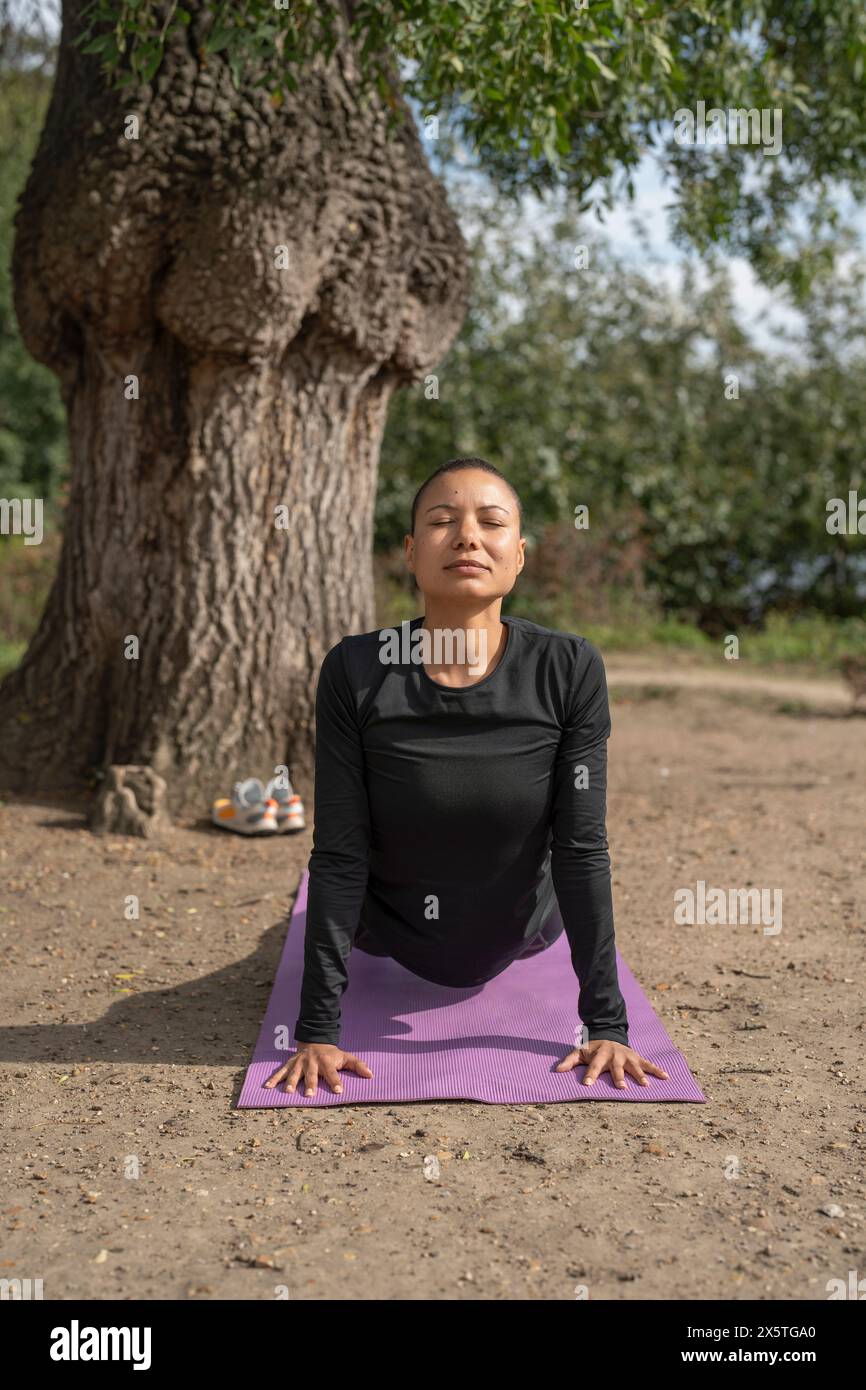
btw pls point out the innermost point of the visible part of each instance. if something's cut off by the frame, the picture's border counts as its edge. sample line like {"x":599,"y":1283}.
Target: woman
{"x":460,"y":797}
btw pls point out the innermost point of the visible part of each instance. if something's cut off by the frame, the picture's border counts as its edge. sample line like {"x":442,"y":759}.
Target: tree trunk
{"x":260,"y":388}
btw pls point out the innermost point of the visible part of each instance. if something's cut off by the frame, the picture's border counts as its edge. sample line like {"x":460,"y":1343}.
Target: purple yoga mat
{"x":497,"y":1042}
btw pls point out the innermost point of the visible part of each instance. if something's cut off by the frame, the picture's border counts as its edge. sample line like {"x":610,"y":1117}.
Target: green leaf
{"x":662,"y":50}
{"x":602,"y":67}
{"x":103,"y":44}
{"x":218,"y":39}
{"x":147,"y":65}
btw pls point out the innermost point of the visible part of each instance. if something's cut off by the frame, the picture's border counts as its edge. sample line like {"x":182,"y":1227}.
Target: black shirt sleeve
{"x":580,"y":862}
{"x":339,"y":861}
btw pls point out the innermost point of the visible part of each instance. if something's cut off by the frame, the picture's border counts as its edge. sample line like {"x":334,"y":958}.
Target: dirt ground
{"x":128,"y":1174}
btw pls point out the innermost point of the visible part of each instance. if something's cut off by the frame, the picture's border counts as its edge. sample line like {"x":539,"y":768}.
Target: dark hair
{"x":452,"y":466}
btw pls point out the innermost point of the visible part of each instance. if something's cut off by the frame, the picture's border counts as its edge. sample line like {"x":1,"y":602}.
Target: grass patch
{"x":10,"y":656}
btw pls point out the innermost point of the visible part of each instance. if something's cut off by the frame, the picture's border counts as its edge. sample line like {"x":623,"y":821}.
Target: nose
{"x":466,"y":536}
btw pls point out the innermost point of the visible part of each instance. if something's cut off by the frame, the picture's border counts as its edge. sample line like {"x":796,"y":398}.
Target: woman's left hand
{"x":603,"y":1055}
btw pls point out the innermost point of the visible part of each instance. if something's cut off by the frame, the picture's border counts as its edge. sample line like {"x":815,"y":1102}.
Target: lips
{"x":465,"y":565}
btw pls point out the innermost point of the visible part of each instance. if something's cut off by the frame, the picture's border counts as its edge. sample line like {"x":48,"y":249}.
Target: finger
{"x":312,"y":1078}
{"x":598,"y":1062}
{"x":653,"y":1069}
{"x":333,"y":1079}
{"x":296,"y":1068}
{"x":633,"y":1068}
{"x":278,"y":1074}
{"x":572,"y":1060}
{"x":350,"y":1063}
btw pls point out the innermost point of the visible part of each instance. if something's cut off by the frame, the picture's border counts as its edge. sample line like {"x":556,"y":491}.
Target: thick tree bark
{"x":260,"y":387}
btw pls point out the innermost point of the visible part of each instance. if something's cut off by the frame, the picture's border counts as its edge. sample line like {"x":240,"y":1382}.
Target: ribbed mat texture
{"x":497,"y":1042}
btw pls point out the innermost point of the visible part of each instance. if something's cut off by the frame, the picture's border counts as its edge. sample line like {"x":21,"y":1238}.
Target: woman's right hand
{"x":314,"y":1059}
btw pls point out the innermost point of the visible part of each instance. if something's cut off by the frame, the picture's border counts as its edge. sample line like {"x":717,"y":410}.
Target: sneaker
{"x":289,"y":808}
{"x":248,"y":811}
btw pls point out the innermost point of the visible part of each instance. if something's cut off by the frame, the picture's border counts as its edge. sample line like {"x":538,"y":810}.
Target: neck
{"x":445,"y":613}
{"x":485,"y":636}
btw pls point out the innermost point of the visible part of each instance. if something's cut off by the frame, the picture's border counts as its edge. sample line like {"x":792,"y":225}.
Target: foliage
{"x":597,"y":385}
{"x":601,"y":386}
{"x":569,"y":94}
{"x":32,"y":424}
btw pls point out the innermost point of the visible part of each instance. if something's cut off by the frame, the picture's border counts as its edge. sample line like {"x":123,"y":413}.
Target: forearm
{"x":334,"y":900}
{"x":586,"y":903}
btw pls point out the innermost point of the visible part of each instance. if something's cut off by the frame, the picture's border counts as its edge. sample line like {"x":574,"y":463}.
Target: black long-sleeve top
{"x":450,"y":822}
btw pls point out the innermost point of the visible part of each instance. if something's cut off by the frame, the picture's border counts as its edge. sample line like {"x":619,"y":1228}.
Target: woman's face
{"x":466,"y":515}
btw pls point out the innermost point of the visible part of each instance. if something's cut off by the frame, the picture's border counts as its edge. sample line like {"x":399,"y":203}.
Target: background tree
{"x":705,"y":462}
{"x":33,"y":451}
{"x":232,"y":261}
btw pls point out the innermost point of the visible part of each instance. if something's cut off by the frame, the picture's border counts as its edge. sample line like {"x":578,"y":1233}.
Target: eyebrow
{"x":485,"y":506}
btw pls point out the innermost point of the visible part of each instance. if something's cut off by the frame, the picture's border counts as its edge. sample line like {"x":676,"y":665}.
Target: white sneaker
{"x":289,"y":806}
{"x":248,"y":811}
